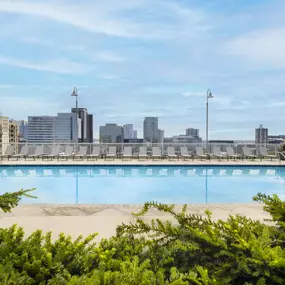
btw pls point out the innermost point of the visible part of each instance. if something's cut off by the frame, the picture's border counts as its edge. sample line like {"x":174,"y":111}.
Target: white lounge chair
{"x":217,"y":153}
{"x":96,"y":153}
{"x":281,"y":156}
{"x":38,"y":152}
{"x":156,"y":152}
{"x":54,"y":152}
{"x":248,"y":153}
{"x":67,"y":153}
{"x":81,"y":153}
{"x":8,"y":152}
{"x":171,"y":153}
{"x":23,"y":152}
{"x":142,"y":152}
{"x":112,"y":152}
{"x":127,"y":152}
{"x":184,"y":153}
{"x":200,"y":153}
{"x":231,"y":153}
{"x":264,"y":152}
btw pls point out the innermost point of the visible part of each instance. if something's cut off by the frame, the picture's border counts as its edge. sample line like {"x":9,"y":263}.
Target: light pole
{"x":209,"y":96}
{"x":74,"y":93}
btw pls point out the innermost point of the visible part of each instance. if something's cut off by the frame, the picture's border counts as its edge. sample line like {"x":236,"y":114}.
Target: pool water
{"x":138,"y":184}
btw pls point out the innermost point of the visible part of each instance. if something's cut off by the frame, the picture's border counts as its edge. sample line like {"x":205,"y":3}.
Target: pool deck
{"x":135,"y":162}
{"x":86,"y":219}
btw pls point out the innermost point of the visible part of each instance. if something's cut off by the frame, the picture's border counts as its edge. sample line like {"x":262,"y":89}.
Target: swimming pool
{"x":138,"y":184}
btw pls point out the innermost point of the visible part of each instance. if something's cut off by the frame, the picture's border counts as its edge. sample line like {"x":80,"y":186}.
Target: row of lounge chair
{"x":38,"y":152}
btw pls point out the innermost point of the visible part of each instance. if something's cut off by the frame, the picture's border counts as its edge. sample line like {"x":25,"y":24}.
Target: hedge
{"x":191,"y":250}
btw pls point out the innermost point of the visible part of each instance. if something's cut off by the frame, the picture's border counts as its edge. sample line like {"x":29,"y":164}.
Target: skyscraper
{"x":150,"y":128}
{"x":261,"y":135}
{"x":151,"y":132}
{"x":128,"y":131}
{"x":86,"y":135}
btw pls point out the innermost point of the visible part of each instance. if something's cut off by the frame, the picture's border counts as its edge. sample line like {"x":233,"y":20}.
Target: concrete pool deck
{"x":100,"y":162}
{"x":86,"y":219}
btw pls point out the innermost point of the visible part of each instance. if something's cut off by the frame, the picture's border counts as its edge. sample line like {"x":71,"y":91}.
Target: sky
{"x":135,"y":58}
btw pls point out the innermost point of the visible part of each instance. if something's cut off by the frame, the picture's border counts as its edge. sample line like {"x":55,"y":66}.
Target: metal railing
{"x":47,"y":147}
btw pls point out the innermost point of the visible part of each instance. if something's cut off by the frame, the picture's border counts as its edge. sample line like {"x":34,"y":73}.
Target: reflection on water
{"x":136,"y":185}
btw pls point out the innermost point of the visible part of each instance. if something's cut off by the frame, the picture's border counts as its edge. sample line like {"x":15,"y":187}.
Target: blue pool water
{"x":136,"y":185}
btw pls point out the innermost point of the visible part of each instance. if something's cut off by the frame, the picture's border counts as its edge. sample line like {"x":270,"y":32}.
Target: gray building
{"x":66,"y":127}
{"x":192,"y":132}
{"x":128,"y":131}
{"x":151,"y":132}
{"x":86,"y":134}
{"x":261,"y":135}
{"x":51,"y":129}
{"x":111,"y":133}
{"x":23,"y":130}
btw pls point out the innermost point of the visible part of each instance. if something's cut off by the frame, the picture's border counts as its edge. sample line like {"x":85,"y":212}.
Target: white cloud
{"x":277,"y":104}
{"x":107,"y":17}
{"x":264,"y":47}
{"x":193,"y":94}
{"x":57,"y":66}
{"x":109,"y":57}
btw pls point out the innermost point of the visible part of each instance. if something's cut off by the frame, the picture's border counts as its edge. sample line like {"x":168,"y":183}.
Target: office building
{"x":151,"y":132}
{"x":50,"y":129}
{"x":4,"y":134}
{"x":135,"y":134}
{"x":66,"y":127}
{"x":14,"y":134}
{"x":192,"y":132}
{"x":86,"y":135}
{"x":128,"y":131}
{"x":111,"y":133}
{"x":23,"y":130}
{"x":261,"y":135}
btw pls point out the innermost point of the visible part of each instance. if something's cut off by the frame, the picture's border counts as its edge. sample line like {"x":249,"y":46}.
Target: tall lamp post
{"x":75,"y":94}
{"x":209,"y":96}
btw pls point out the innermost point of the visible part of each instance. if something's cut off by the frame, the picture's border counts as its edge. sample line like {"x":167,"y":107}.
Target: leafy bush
{"x":191,"y":250}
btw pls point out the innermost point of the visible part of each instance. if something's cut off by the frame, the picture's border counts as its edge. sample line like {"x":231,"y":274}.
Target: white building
{"x":128,"y":131}
{"x":50,"y":129}
{"x":261,"y":135}
{"x":4,"y":134}
{"x":111,"y":133}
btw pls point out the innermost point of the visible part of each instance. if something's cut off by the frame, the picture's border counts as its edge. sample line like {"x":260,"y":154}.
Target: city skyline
{"x":136,"y":59}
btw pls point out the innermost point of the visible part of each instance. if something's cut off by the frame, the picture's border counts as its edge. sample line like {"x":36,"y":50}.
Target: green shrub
{"x":191,"y":250}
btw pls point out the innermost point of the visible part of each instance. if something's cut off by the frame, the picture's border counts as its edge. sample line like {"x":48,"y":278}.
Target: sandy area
{"x":85,"y":219}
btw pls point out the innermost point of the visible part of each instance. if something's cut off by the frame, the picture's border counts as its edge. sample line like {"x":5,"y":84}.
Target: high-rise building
{"x":66,"y":127}
{"x":41,"y":129}
{"x":191,"y":132}
{"x":4,"y":134}
{"x":49,"y":129}
{"x":150,"y":129}
{"x":86,"y":135}
{"x":261,"y":135}
{"x":135,"y":134}
{"x":128,"y":131}
{"x":23,"y":130}
{"x":111,"y":133}
{"x":14,"y":134}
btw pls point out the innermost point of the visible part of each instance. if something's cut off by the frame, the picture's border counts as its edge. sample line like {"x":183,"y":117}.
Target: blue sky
{"x":135,"y":58}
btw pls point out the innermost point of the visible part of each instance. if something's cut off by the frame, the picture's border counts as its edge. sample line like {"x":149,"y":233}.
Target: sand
{"x":86,"y":219}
